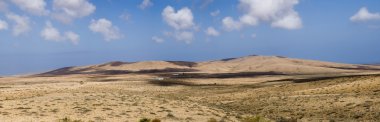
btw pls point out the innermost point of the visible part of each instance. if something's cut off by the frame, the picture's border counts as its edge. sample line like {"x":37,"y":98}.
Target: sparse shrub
{"x":156,"y":120}
{"x":287,"y":119}
{"x":212,"y":120}
{"x":255,"y":119}
{"x":170,"y":115}
{"x":144,"y":120}
{"x":149,"y":120}
{"x":66,"y":119}
{"x":81,"y":82}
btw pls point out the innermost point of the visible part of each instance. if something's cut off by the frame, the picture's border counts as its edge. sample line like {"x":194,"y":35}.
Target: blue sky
{"x":41,"y":35}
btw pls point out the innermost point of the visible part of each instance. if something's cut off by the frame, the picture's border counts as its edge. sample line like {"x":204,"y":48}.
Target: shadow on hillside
{"x":178,"y":82}
{"x":217,"y":75}
{"x":70,"y":71}
{"x":314,"y":79}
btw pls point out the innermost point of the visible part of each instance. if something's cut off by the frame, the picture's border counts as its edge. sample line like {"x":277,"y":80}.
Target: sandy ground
{"x":120,"y":98}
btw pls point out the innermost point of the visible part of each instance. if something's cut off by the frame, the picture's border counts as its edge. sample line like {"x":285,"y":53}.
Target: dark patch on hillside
{"x":166,"y":70}
{"x":170,"y":82}
{"x":114,"y":63}
{"x":356,"y":68}
{"x":313,"y":79}
{"x":228,"y":59}
{"x":281,"y":57}
{"x":69,"y":71}
{"x":178,"y":82}
{"x":183,"y":63}
{"x":218,"y":75}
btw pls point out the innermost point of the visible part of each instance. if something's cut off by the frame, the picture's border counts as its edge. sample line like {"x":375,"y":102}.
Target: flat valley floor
{"x":130,"y":97}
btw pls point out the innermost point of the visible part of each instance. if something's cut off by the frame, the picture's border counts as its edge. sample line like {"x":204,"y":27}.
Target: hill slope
{"x":279,"y":64}
{"x":232,"y":65}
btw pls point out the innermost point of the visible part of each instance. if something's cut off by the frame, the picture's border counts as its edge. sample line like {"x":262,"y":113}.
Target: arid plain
{"x":272,"y":87}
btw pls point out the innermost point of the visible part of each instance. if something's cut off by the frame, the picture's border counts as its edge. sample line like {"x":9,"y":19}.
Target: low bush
{"x":212,"y":120}
{"x":255,"y":119}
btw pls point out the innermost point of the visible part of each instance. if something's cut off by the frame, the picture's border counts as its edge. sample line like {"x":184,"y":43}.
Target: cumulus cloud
{"x":145,"y":4}
{"x":215,"y":13}
{"x":157,"y":39}
{"x":105,"y":27}
{"x":3,"y":25}
{"x":364,"y":15}
{"x":280,"y":13}
{"x":186,"y":36}
{"x":182,"y":19}
{"x":21,"y":24}
{"x":35,"y":7}
{"x":50,"y":33}
{"x":68,"y":10}
{"x":230,"y":24}
{"x":73,"y":37}
{"x":211,"y":31}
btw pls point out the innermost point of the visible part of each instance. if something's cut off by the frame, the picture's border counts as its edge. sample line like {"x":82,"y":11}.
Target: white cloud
{"x":145,"y":4}
{"x":211,"y":31}
{"x":186,"y":36}
{"x":21,"y":24}
{"x":157,"y":39}
{"x":125,"y":16}
{"x":215,"y":13}
{"x":3,"y":25}
{"x":230,"y":24}
{"x":280,"y":13}
{"x":291,"y":21}
{"x":68,"y":10}
{"x":182,"y":19}
{"x":73,"y":37}
{"x":50,"y":33}
{"x":364,"y":15}
{"x":35,"y":7}
{"x":105,"y":27}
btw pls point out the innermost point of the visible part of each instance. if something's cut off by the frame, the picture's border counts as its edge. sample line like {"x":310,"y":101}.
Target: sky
{"x":41,"y":35}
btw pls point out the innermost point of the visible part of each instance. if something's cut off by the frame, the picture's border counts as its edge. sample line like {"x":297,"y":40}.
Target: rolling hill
{"x":232,"y":65}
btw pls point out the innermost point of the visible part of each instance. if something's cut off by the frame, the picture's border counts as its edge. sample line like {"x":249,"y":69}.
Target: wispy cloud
{"x":145,"y":4}
{"x":21,"y":24}
{"x":3,"y":25}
